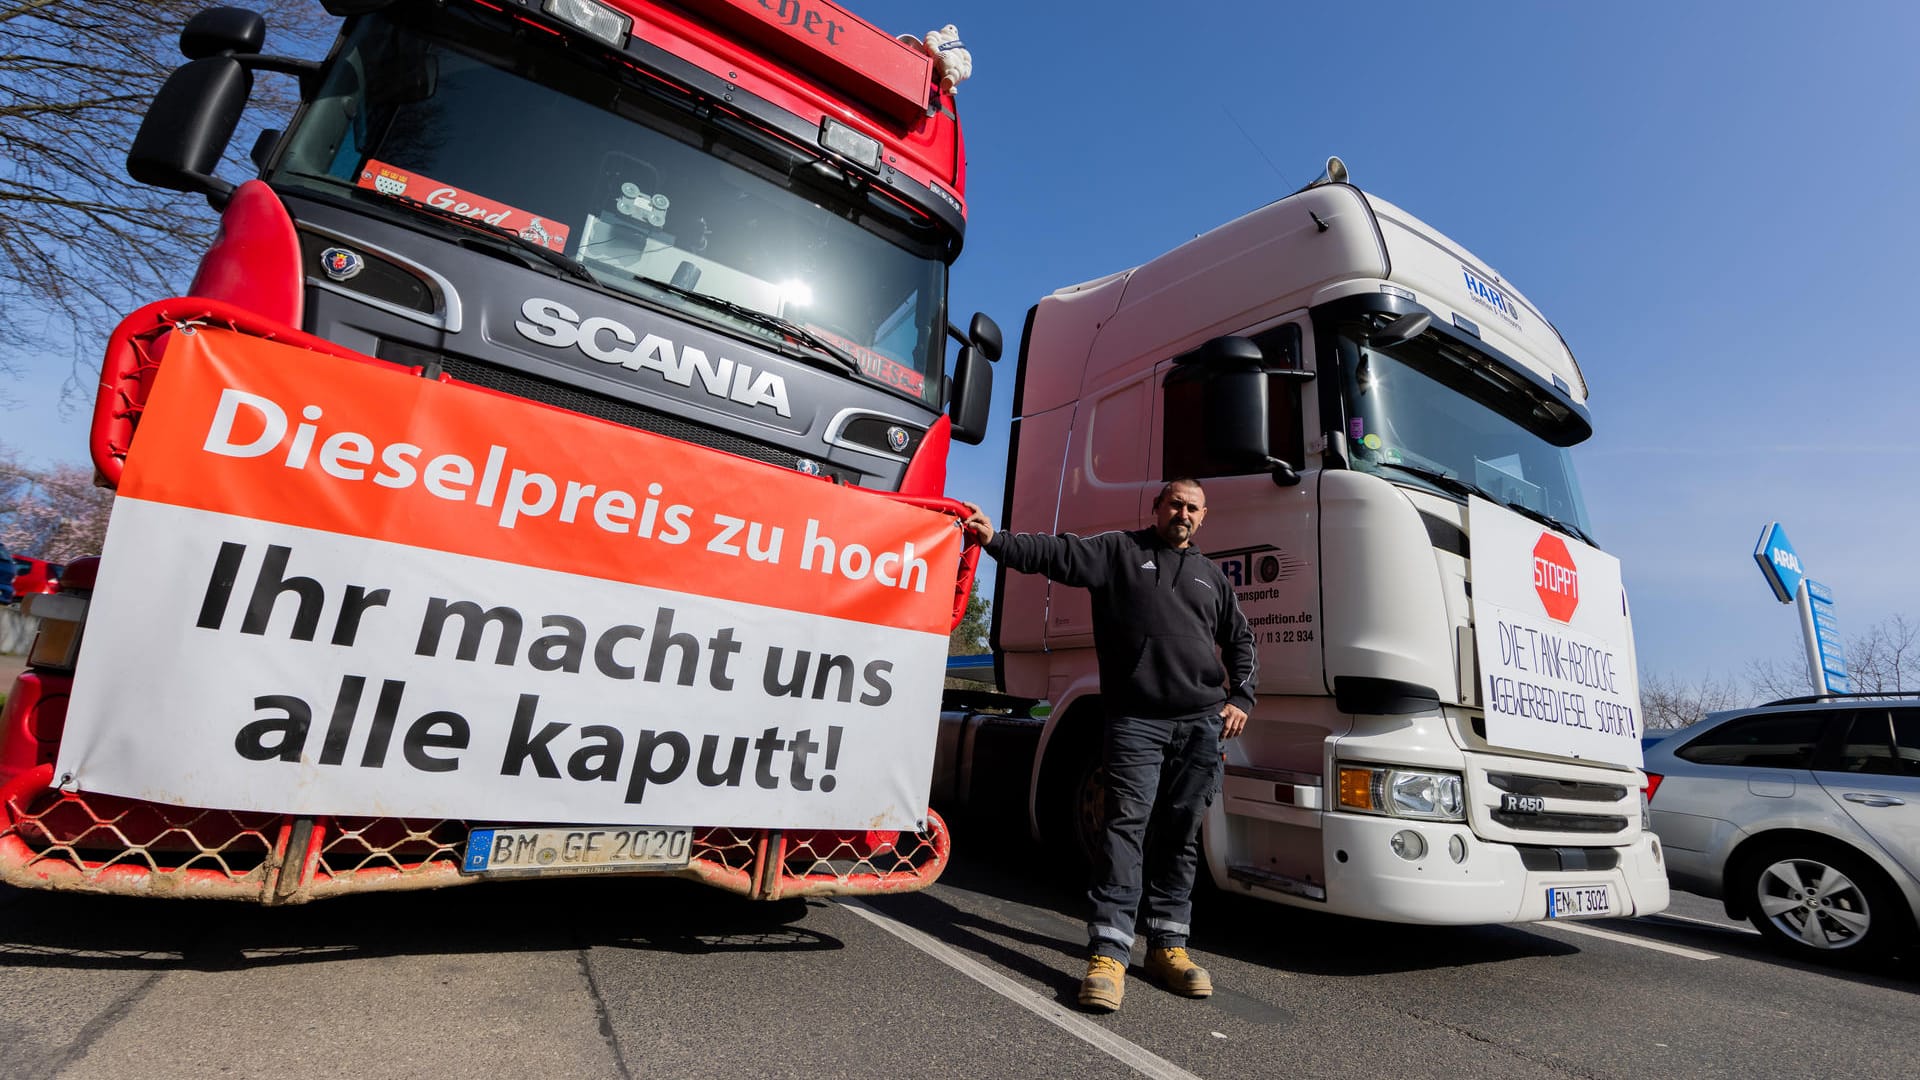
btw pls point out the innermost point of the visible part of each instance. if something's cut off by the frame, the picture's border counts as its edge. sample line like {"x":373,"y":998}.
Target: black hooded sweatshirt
{"x":1158,"y":614}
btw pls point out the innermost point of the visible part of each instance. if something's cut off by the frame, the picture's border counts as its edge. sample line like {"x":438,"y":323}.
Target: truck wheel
{"x":1822,"y":901}
{"x":1075,"y":798}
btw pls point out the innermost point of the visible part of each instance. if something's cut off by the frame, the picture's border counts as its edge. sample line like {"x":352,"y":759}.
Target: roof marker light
{"x":594,"y":19}
{"x":862,"y":150}
{"x":1467,"y":326}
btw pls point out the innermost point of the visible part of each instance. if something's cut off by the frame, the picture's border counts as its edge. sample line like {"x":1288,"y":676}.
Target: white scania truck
{"x":1447,"y":728}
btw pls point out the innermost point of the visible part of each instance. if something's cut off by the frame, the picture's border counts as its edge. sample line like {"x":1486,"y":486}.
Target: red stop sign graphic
{"x":1555,"y":577}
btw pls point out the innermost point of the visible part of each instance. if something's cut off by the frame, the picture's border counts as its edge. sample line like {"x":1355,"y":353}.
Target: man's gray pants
{"x":1161,"y":776}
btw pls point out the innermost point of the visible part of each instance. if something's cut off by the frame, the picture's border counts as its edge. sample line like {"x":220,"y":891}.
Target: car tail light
{"x":61,"y":616}
{"x":1653,"y":785}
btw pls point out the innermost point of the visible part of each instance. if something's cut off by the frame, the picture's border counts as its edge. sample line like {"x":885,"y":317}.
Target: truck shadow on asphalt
{"x":1017,"y":876}
{"x":77,"y":931}
{"x":1029,"y":920}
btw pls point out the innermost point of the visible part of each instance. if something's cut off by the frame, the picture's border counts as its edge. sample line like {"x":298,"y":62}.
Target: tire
{"x":1073,"y":805}
{"x":1822,"y":901}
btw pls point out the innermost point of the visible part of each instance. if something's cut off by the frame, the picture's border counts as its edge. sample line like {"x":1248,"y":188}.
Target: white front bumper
{"x":1365,"y":879}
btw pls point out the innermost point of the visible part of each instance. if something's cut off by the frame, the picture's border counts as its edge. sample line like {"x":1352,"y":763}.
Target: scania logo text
{"x":610,"y":341}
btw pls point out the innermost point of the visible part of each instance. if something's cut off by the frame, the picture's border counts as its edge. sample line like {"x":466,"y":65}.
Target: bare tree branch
{"x":1881,"y":659}
{"x":80,"y":243}
{"x":1667,"y":703}
{"x":1884,"y":658}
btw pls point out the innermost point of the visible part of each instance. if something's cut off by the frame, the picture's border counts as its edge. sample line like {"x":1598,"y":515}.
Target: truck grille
{"x":1580,"y":805}
{"x":1539,"y":859}
{"x":1570,"y":823}
{"x":1551,"y":788}
{"x":573,"y":399}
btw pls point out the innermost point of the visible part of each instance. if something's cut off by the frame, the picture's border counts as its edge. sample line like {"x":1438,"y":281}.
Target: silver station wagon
{"x":1802,"y":815}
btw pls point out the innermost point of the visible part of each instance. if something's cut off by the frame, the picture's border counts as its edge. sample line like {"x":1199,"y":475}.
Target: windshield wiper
{"x":1445,"y":480}
{"x":1550,"y":521}
{"x":763,"y":320}
{"x":1461,"y":487}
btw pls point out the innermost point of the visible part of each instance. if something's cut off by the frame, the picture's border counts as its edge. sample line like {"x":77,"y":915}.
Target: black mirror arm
{"x":219,"y":192}
{"x":988,"y":342}
{"x":308,"y":72}
{"x":1283,"y":472}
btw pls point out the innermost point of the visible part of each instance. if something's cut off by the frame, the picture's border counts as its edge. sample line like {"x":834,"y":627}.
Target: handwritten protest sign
{"x":334,"y":588}
{"x":1554,"y":643}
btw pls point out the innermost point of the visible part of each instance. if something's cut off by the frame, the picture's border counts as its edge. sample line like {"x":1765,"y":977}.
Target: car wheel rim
{"x":1814,"y":904}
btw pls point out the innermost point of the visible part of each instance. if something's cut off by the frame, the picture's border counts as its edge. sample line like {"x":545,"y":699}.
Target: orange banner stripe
{"x":241,"y":426}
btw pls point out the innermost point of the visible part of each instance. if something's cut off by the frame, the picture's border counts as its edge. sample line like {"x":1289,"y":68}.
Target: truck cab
{"x":729,"y":223}
{"x":1363,"y":399}
{"x":709,"y":222}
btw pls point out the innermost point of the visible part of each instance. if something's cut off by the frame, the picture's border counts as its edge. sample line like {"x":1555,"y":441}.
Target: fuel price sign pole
{"x":1826,"y":655}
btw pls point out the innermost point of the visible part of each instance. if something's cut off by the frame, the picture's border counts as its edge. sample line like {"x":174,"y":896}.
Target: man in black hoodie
{"x":1160,"y":612}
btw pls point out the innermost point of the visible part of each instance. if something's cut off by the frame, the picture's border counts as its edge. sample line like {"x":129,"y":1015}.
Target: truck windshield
{"x":430,"y":111}
{"x":1432,"y":412}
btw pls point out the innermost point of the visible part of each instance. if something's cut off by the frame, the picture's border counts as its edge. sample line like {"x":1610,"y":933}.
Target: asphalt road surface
{"x":973,"y":978}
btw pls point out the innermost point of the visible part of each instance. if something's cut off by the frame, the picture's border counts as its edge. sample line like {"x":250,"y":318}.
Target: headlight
{"x":1425,"y":795}
{"x":1405,"y":793}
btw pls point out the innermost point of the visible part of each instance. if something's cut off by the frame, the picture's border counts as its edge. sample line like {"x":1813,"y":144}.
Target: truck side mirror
{"x":982,"y":333}
{"x":985,"y":333}
{"x":971,"y":396}
{"x":223,"y":31}
{"x":1233,"y":399}
{"x":1405,"y":328}
{"x":1233,"y":403}
{"x":263,"y":145}
{"x":189,"y":125}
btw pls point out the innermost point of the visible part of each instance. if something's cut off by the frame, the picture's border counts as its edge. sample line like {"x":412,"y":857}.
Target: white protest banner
{"x":335,"y":588}
{"x":1553,"y":641}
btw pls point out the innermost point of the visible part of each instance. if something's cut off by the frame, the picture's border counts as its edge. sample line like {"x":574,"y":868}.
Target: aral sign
{"x":1554,"y":644}
{"x":1779,"y":563}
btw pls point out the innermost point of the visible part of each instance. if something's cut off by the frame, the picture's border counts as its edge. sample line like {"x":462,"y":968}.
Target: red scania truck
{"x":727,"y":222}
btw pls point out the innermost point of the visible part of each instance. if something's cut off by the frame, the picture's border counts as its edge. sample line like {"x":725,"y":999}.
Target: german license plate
{"x":577,"y":850}
{"x":1581,"y":902}
{"x":1522,"y":804}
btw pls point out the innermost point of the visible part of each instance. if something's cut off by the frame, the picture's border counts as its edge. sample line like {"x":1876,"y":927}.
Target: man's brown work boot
{"x":1172,"y":969}
{"x":1105,"y":984}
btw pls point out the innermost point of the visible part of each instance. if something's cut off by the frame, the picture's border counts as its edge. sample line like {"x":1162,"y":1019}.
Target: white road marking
{"x":1629,"y":939}
{"x":1733,"y":928}
{"x":1131,"y":1054}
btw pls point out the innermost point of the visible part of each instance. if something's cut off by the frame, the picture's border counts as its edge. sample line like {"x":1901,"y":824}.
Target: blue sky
{"x":1713,"y":202}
